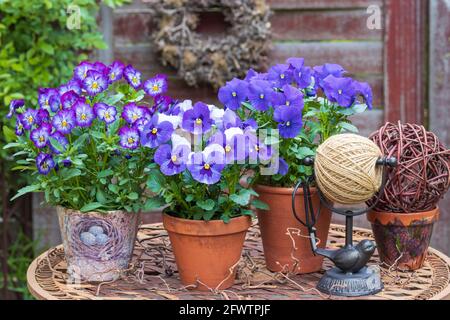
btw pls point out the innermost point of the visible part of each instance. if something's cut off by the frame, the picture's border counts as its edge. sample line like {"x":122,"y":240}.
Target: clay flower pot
{"x":280,"y":229}
{"x":207,"y":252}
{"x":403,"y":238}
{"x":97,"y":246}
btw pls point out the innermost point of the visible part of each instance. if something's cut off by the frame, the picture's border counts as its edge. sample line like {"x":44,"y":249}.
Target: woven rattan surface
{"x":152,"y":275}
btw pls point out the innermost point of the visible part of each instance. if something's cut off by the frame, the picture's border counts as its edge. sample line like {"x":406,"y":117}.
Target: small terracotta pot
{"x":403,"y":238}
{"x":279,"y":229}
{"x":92,"y":257}
{"x":207,"y":252}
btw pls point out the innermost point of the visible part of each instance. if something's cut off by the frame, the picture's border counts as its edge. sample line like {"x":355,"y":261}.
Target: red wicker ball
{"x":422,"y":175}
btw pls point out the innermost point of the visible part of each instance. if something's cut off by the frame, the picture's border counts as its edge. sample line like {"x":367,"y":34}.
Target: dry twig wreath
{"x":212,"y":60}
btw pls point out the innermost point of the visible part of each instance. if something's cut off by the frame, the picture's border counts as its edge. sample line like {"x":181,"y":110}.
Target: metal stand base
{"x":365,"y":282}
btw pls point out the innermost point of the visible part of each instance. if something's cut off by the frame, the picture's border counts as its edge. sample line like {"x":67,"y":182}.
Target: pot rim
{"x":73,"y":211}
{"x":206,"y":228}
{"x":406,"y":218}
{"x":280,"y":190}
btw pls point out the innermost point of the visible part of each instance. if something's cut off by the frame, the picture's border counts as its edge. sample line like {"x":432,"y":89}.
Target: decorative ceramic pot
{"x":286,"y":242}
{"x":207,"y":252}
{"x":403,"y":238}
{"x":97,"y":246}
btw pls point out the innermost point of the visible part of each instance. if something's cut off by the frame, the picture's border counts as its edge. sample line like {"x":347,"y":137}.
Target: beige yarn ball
{"x":345,"y":168}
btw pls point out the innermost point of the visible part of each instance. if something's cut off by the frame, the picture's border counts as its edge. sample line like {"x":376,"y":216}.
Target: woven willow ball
{"x":422,"y":175}
{"x":345,"y":168}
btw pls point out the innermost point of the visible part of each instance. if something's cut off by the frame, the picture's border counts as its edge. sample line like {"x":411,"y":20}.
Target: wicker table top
{"x":152,"y":275}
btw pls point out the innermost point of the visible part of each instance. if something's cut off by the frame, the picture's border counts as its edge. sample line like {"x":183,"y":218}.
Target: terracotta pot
{"x":403,"y":238}
{"x":93,"y":257}
{"x":279,"y":229}
{"x":207,"y":251}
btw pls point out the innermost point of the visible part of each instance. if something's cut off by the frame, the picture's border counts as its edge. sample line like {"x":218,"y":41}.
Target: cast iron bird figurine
{"x":350,"y":259}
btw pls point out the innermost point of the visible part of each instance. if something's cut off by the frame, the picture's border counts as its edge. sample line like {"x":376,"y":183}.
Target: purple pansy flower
{"x":29,"y":118}
{"x":42,"y":116}
{"x":80,"y":72}
{"x":302,"y":74}
{"x":129,"y":137}
{"x":44,"y":163}
{"x":61,"y":139}
{"x":206,"y":168}
{"x":364,"y":89}
{"x":198,"y":119}
{"x":115,"y":71}
{"x":67,"y":162}
{"x":95,"y":82}
{"x":230,"y":119}
{"x":163,"y":104}
{"x":250,"y":75}
{"x":233,"y":143}
{"x":64,"y":121}
{"x":13,"y":106}
{"x":156,"y":86}
{"x":291,"y":97}
{"x":233,"y":93}
{"x":256,"y":149}
{"x":170,"y":161}
{"x":280,"y":74}
{"x":19,"y":127}
{"x":283,"y":167}
{"x":321,"y":72}
{"x":250,"y":124}
{"x":105,"y":112}
{"x":155,"y":134}
{"x":73,"y":85}
{"x":289,"y":121}
{"x":84,"y":114}
{"x":131,"y":112}
{"x":340,"y":90}
{"x":49,"y":99}
{"x":132,"y":76}
{"x":260,"y":94}
{"x":100,"y":67}
{"x":68,"y":99}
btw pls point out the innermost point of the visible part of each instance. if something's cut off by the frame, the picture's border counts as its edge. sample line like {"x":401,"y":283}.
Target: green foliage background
{"x":37,"y":49}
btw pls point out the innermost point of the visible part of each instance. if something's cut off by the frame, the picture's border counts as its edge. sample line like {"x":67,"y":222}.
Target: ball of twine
{"x":422,"y":175}
{"x":345,"y":168}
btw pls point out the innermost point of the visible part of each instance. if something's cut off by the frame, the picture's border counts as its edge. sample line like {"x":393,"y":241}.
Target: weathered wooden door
{"x":410,"y":78}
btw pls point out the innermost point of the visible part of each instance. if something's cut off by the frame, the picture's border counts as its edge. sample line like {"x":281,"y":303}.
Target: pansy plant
{"x":84,"y":143}
{"x":305,"y":104}
{"x":201,"y":161}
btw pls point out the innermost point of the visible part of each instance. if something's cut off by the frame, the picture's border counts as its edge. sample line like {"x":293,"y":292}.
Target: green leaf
{"x":113,"y":188}
{"x":100,"y":196}
{"x":154,"y":203}
{"x":270,"y":140}
{"x":348,"y":127}
{"x":12,"y":145}
{"x":258,"y":204}
{"x":133,"y":196}
{"x":155,"y":181}
{"x":91,"y":206}
{"x":71,"y":173}
{"x":346,"y":111}
{"x":10,"y":135}
{"x":359,"y":108}
{"x":304,"y":152}
{"x":47,"y":48}
{"x":207,"y":205}
{"x":242,"y":198}
{"x":105,"y":173}
{"x":27,"y":189}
